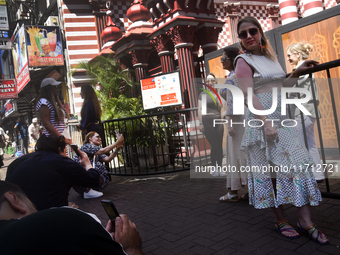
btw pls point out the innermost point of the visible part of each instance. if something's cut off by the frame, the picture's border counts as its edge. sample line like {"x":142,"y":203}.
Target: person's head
{"x":21,"y":118}
{"x":252,"y":38}
{"x":52,"y":144}
{"x":298,"y":52}
{"x":93,"y":138}
{"x":7,"y":132}
{"x":14,"y":203}
{"x":211,"y":79}
{"x":228,"y":57}
{"x":88,"y":94}
{"x":35,"y":121}
{"x":49,"y":89}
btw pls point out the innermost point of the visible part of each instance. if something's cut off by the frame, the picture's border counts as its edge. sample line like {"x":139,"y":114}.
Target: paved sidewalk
{"x":179,"y":215}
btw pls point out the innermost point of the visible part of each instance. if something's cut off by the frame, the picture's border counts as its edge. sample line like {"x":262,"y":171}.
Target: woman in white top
{"x":50,"y":110}
{"x":268,"y":143}
{"x":297,"y":53}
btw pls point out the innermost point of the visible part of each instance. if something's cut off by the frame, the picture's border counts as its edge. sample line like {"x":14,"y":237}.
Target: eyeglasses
{"x":244,"y":34}
{"x":224,"y":58}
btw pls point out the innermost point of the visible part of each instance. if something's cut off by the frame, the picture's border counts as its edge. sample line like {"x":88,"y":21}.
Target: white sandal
{"x":229,"y":198}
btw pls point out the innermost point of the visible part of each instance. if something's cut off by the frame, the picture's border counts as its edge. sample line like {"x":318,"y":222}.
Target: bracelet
{"x":265,"y":118}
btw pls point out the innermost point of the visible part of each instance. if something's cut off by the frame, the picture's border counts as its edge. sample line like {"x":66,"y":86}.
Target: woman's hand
{"x":78,"y":127}
{"x":305,"y":66}
{"x":84,"y":160}
{"x":231,"y":131}
{"x":120,"y":139}
{"x":270,"y":132}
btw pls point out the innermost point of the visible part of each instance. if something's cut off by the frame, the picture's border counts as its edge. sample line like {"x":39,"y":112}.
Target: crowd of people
{"x":38,"y":181}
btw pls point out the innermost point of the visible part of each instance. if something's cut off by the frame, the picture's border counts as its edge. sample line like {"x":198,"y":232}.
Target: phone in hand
{"x":75,"y":149}
{"x":111,"y":211}
{"x":117,"y":132}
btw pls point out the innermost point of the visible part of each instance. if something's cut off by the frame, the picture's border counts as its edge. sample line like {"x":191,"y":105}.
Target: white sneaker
{"x":92,"y":194}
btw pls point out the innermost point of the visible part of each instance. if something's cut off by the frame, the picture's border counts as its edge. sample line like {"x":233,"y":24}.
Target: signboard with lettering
{"x":20,"y":59}
{"x":8,"y":89}
{"x":2,"y":2}
{"x":3,"y":18}
{"x":161,"y":90}
{"x":10,"y":108}
{"x":44,"y":46}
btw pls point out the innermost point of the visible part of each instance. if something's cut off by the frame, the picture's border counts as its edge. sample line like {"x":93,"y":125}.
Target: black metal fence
{"x":155,"y":143}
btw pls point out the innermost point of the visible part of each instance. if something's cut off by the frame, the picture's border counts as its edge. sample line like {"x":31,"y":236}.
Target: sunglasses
{"x":251,"y":31}
{"x":224,"y":58}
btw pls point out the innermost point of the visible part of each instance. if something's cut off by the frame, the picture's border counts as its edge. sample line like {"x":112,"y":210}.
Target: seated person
{"x":47,"y":175}
{"x":64,"y":230}
{"x":98,"y":154}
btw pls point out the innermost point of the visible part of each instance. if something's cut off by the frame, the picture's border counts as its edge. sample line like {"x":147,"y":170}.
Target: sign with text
{"x":20,"y":59}
{"x":3,"y":18}
{"x":5,"y":43}
{"x":8,"y":89}
{"x":161,"y":90}
{"x":44,"y":46}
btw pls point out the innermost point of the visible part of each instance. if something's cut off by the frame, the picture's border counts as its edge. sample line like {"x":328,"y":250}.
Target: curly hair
{"x":90,"y":95}
{"x":88,"y":136}
{"x":303,"y":48}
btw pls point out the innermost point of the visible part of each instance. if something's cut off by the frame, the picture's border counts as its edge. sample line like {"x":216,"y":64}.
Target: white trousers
{"x":313,"y":150}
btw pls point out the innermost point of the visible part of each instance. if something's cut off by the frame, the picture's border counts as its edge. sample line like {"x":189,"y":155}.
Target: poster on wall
{"x":3,"y":18}
{"x":44,"y":46}
{"x":8,"y":89}
{"x":21,"y":70}
{"x":161,"y":90}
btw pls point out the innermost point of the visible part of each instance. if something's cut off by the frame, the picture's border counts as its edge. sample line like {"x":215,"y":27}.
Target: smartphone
{"x":117,"y":132}
{"x":75,"y":149}
{"x":110,"y":209}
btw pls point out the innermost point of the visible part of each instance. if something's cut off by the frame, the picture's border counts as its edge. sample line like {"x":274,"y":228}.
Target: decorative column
{"x":232,"y":11}
{"x":273,"y":15}
{"x":311,"y":7}
{"x":165,"y":49}
{"x":207,"y":37}
{"x":182,"y":37}
{"x":288,"y":11}
{"x":140,"y":62}
{"x":195,"y":51}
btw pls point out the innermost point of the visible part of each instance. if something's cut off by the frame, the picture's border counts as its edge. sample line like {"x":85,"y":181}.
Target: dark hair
{"x":231,"y":52}
{"x":46,"y":92}
{"x":10,"y":187}
{"x":268,"y":49}
{"x":50,"y":143}
{"x":88,"y":136}
{"x":90,"y":95}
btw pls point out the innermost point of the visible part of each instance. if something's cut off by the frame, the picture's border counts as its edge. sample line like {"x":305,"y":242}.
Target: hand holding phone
{"x":75,"y":149}
{"x":111,"y":210}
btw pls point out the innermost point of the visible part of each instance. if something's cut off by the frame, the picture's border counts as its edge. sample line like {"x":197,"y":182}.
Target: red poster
{"x":23,"y":78}
{"x":8,"y":89}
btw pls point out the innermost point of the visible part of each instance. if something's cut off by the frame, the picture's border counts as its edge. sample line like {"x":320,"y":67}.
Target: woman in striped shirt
{"x":50,"y":110}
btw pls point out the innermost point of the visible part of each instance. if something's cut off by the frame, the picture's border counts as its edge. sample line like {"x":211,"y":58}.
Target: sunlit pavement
{"x":178,"y":215}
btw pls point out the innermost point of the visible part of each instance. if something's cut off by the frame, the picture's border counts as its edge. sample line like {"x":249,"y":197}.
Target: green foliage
{"x":115,"y":91}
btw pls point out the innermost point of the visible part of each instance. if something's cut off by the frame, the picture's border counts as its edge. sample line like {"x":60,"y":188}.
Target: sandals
{"x":229,"y":198}
{"x":310,"y":233}
{"x":280,"y":229}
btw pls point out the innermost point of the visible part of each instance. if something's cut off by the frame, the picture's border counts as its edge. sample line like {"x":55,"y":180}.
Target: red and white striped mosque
{"x":160,"y":36}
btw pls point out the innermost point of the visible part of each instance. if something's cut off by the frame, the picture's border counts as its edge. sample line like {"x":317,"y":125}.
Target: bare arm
{"x":293,"y":77}
{"x":44,"y":114}
{"x":112,"y":155}
{"x":244,"y":75}
{"x":109,"y":148}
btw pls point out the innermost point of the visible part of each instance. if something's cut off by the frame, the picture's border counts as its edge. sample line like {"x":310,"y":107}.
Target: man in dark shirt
{"x":47,"y":175}
{"x":23,"y":230}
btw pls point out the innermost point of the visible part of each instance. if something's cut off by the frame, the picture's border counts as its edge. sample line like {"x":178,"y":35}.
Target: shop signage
{"x":54,"y":74}
{"x":8,"y":89}
{"x":10,"y":108}
{"x":3,"y":18}
{"x":44,"y":46}
{"x":20,"y":59}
